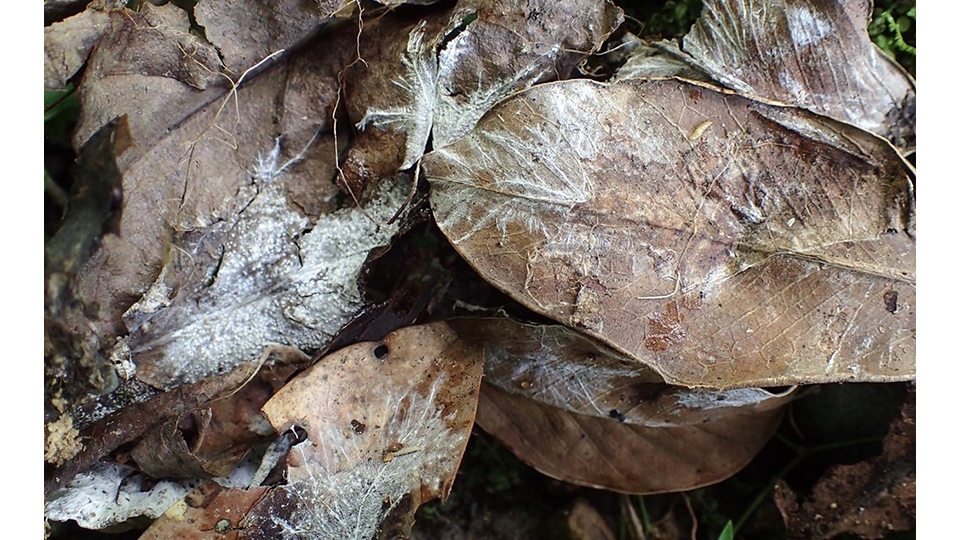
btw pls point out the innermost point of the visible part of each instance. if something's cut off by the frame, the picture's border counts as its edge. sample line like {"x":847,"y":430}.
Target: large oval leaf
{"x":577,"y":411}
{"x":723,"y":242}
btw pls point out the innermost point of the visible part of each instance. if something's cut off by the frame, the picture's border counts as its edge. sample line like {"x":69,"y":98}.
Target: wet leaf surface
{"x":722,"y":242}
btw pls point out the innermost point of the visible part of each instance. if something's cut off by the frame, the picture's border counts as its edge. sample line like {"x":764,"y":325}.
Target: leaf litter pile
{"x":308,"y":245}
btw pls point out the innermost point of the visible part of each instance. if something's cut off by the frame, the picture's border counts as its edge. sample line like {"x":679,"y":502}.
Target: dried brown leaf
{"x":493,"y":48}
{"x":608,"y":454}
{"x":150,"y":68}
{"x":208,"y":512}
{"x":247,"y":31}
{"x":67,"y":44}
{"x":391,"y":94}
{"x":218,"y":214}
{"x":211,"y":441}
{"x":386,"y":421}
{"x":809,"y":53}
{"x":723,"y":242}
{"x":582,"y":413}
{"x":555,"y":366}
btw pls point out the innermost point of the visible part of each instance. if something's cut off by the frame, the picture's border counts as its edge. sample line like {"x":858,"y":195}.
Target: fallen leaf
{"x":555,"y":366}
{"x":67,"y":44}
{"x":720,"y":241}
{"x":111,"y":493}
{"x":605,"y":453}
{"x":211,"y":441}
{"x":791,"y":52}
{"x":493,"y":48}
{"x":385,"y":421}
{"x":209,"y":511}
{"x":390,"y":96}
{"x":143,"y":408}
{"x":246,"y":32}
{"x":149,"y":67}
{"x":581,"y":413}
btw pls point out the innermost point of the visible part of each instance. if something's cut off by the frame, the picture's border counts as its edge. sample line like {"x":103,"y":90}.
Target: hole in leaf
{"x":381,"y":351}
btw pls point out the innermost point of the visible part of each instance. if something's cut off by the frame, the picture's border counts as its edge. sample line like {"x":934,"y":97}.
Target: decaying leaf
{"x":390,"y":96}
{"x":384,"y":421}
{"x":208,"y":512}
{"x":608,"y":454}
{"x":212,"y":440}
{"x":813,"y":54}
{"x":73,"y":367}
{"x":581,"y":413}
{"x":111,"y":493}
{"x":493,"y":48}
{"x":438,"y":74}
{"x":140,"y":410}
{"x":67,"y":44}
{"x":218,"y":209}
{"x":723,"y":242}
{"x":148,"y":67}
{"x":246,"y":32}
{"x":556,"y":366}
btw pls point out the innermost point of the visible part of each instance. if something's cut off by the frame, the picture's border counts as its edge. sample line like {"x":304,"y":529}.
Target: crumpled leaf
{"x":813,"y":54}
{"x":73,"y":369}
{"x":868,"y":499}
{"x":247,"y":31}
{"x":141,"y":410}
{"x":723,"y":242}
{"x":276,"y":281}
{"x":391,"y":96}
{"x":193,"y":192}
{"x":211,"y":441}
{"x":67,"y":44}
{"x":111,"y":493}
{"x":385,"y":421}
{"x":209,"y":511}
{"x":581,"y":413}
{"x":148,"y":67}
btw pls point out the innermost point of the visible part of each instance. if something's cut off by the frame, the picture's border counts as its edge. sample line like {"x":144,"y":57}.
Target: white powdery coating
{"x":273,"y":288}
{"x":350,"y":504}
{"x":107,"y":495}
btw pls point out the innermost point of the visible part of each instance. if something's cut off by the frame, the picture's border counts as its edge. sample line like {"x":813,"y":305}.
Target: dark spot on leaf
{"x":358,"y":426}
{"x":618,"y":415}
{"x":890,"y":300}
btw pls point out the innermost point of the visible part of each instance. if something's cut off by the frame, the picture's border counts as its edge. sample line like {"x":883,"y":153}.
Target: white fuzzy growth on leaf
{"x":420,"y":87}
{"x":350,"y":503}
{"x":110,"y":494}
{"x":277,"y":283}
